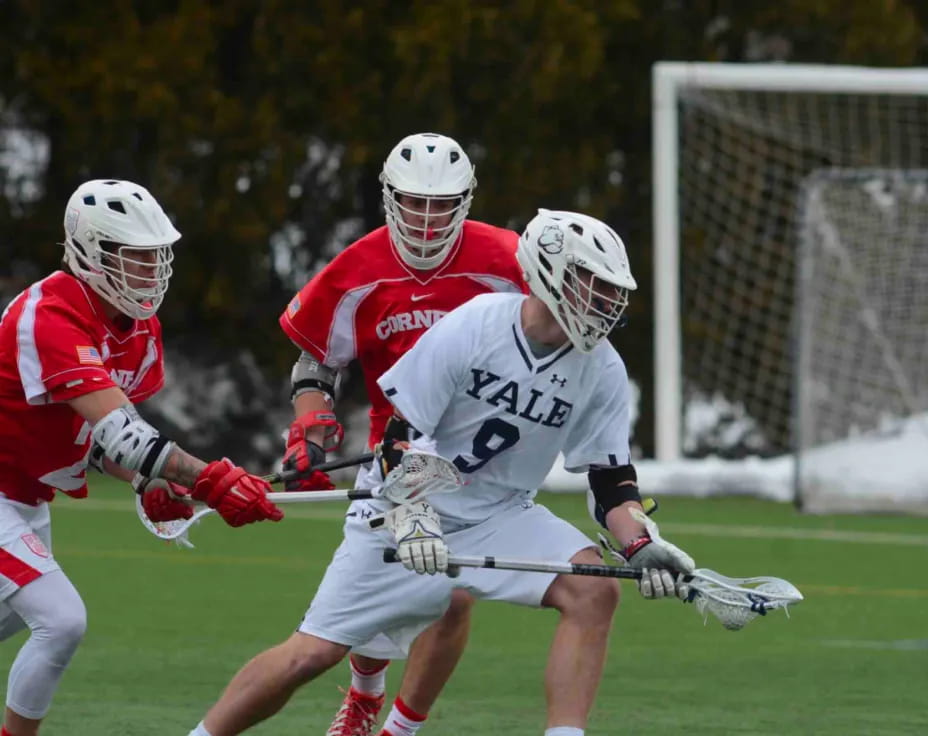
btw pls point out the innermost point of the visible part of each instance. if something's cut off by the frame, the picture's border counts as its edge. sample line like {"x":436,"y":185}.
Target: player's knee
{"x":307,"y":657}
{"x":592,"y":600}
{"x":606,"y":597}
{"x":62,"y":631}
{"x":597,"y":599}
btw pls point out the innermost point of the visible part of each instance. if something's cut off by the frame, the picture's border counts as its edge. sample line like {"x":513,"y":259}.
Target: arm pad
{"x":131,"y":442}
{"x":309,"y":374}
{"x":610,"y":488}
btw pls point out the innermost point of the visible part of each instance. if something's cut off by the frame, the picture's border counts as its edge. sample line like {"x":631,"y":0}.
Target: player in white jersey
{"x":510,"y":382}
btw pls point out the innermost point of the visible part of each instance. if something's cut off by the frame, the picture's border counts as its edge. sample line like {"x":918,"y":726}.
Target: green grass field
{"x":169,"y":627}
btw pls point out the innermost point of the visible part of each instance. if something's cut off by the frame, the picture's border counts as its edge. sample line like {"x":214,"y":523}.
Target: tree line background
{"x":262,"y":127}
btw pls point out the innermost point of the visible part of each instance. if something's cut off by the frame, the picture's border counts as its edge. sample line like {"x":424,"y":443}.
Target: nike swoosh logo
{"x":415,"y":298}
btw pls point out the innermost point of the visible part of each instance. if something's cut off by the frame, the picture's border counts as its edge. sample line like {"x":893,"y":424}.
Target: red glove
{"x":161,"y":498}
{"x":239,"y":497}
{"x":303,"y":455}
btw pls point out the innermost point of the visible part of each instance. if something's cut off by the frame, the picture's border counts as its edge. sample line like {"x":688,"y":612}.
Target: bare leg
{"x":264,"y":685}
{"x":20,"y":726}
{"x":578,"y":652}
{"x":435,"y":653}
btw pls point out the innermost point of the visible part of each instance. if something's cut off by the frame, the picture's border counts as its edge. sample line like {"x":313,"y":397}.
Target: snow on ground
{"x":885,"y":471}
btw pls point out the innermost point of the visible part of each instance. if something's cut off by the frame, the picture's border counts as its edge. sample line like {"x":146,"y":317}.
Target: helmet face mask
{"x":119,"y":242}
{"x":141,"y":274}
{"x":591,"y":306}
{"x":578,"y":267}
{"x":428,"y":184}
{"x":428,"y":226}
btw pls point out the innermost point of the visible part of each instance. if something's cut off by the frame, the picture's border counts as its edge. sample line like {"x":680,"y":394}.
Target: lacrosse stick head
{"x":735,"y":602}
{"x":171,"y":531}
{"x":420,"y":474}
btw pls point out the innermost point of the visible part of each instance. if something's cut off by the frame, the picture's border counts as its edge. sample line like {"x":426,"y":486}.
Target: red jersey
{"x":368,"y":304}
{"x":57,"y":344}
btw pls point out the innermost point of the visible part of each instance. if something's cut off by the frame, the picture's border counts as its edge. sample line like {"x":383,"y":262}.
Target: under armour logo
{"x":562,"y":381}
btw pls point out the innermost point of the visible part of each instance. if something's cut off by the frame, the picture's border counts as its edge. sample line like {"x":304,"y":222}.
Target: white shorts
{"x":378,"y":609}
{"x":25,"y":545}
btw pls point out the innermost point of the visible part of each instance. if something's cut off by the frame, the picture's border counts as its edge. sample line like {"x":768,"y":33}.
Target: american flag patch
{"x":293,"y":307}
{"x":88,"y":355}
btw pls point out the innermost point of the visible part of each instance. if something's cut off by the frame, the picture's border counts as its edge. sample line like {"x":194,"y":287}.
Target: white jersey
{"x":501,"y":414}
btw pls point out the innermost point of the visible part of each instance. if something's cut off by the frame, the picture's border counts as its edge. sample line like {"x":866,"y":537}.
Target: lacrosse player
{"x":77,"y":350}
{"x":372,"y":303}
{"x":498,"y":388}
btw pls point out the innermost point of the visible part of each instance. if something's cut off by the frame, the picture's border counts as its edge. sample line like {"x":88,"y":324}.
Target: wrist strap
{"x":635,"y":545}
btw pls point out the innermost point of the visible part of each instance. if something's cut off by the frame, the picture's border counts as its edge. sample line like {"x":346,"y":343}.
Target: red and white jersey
{"x":367,"y":304}
{"x":57,"y":344}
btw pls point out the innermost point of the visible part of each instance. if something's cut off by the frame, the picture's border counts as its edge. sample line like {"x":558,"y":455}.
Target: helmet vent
{"x":117,"y":206}
{"x":599,"y":245}
{"x":545,"y":263}
{"x":137,"y":196}
{"x":576,"y":228}
{"x":90,"y":200}
{"x":455,"y":156}
{"x":406,"y":153}
{"x":430,"y":149}
{"x":111,"y":183}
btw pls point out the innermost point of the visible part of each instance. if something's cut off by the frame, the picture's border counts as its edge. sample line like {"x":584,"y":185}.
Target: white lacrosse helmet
{"x":108,"y":224}
{"x":435,"y":169}
{"x":555,"y":247}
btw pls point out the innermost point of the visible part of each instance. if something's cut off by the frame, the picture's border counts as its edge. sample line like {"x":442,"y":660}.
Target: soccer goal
{"x":791,"y":274}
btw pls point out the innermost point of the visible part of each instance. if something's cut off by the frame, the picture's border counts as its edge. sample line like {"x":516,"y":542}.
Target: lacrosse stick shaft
{"x":312,"y":496}
{"x":504,"y":563}
{"x":288,"y":475}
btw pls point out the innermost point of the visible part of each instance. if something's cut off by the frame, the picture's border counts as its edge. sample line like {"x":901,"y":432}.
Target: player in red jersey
{"x":372,"y":303}
{"x":77,"y":350}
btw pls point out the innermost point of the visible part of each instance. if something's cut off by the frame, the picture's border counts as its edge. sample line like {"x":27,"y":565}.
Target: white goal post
{"x":762,"y":174}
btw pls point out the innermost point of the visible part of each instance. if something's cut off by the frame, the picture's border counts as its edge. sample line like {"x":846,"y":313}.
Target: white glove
{"x":417,"y":531}
{"x":663,"y":564}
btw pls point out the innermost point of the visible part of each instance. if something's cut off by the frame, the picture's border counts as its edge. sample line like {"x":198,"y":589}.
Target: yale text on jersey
{"x":498,"y":391}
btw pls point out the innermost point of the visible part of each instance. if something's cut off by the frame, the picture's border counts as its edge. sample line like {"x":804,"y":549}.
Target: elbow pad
{"x":609,"y":489}
{"x":131,"y":442}
{"x":309,"y":374}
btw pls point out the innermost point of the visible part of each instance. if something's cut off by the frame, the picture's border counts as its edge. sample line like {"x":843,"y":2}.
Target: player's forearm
{"x":622,"y":526}
{"x":182,"y":468}
{"x":111,"y":468}
{"x":312,"y":401}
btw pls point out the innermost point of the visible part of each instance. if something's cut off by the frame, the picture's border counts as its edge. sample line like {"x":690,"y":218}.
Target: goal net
{"x":791,"y":278}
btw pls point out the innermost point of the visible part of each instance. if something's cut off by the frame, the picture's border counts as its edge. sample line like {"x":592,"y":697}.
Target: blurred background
{"x":262,"y":127}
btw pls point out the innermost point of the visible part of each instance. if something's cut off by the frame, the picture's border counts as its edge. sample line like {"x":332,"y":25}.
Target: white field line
{"x":333,"y":511}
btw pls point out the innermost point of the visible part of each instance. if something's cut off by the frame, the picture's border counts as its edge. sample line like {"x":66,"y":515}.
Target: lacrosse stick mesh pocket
{"x":420,"y":473}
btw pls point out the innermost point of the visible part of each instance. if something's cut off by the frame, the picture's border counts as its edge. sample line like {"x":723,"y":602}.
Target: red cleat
{"x":357,"y":715}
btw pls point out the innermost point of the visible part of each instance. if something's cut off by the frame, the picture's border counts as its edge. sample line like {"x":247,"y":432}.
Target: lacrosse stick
{"x":417,"y":476}
{"x":420,"y":474}
{"x":733,"y":601}
{"x":177,"y":529}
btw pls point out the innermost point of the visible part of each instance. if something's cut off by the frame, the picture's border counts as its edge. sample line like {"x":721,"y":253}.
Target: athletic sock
{"x":200,"y":730}
{"x":564,"y":731}
{"x":369,"y":682}
{"x":403,"y":720}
